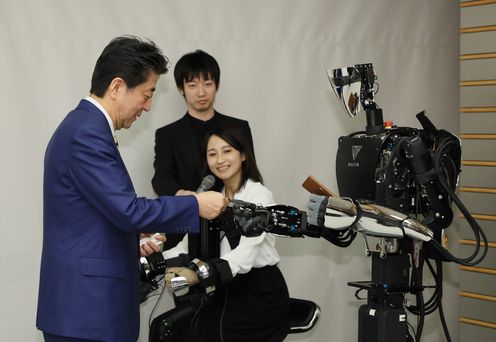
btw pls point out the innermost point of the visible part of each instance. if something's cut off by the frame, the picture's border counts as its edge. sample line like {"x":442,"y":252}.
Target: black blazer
{"x":179,"y":163}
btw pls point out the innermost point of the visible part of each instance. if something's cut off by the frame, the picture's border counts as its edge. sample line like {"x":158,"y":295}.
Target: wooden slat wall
{"x":478,"y":178}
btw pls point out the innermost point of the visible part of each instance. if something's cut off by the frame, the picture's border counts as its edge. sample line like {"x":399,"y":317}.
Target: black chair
{"x":303,"y":315}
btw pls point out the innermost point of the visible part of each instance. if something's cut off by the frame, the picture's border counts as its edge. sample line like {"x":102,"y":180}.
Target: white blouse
{"x":258,"y":251}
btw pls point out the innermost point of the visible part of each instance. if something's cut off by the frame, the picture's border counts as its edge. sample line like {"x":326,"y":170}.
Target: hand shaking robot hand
{"x":204,"y":274}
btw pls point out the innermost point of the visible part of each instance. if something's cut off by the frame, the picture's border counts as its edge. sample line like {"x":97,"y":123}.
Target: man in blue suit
{"x":89,"y":279}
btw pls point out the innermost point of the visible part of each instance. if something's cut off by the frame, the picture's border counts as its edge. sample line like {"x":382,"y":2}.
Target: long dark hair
{"x":233,"y":136}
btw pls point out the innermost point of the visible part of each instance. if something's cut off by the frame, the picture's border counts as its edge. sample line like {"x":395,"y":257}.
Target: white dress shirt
{"x":107,"y":116}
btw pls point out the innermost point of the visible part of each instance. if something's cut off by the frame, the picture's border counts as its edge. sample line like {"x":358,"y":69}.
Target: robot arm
{"x":367,"y":218}
{"x":333,"y":218}
{"x":324,"y":214}
{"x":380,"y":221}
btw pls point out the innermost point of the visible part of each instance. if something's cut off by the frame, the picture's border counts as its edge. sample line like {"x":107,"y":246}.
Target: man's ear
{"x":116,"y":85}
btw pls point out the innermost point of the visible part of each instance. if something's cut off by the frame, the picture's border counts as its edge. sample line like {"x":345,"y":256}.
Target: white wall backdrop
{"x":273,"y":56}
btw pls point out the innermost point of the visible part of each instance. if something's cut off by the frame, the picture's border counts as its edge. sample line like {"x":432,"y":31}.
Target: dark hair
{"x":128,"y":57}
{"x":196,"y":64}
{"x":235,"y":138}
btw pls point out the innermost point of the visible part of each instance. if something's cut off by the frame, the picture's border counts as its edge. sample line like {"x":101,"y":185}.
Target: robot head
{"x":354,"y":86}
{"x":346,"y":84}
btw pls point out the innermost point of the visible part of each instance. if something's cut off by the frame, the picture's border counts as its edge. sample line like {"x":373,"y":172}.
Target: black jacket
{"x":179,"y":163}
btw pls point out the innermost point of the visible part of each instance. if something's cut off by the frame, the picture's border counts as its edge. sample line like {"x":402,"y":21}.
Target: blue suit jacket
{"x":91,"y":219}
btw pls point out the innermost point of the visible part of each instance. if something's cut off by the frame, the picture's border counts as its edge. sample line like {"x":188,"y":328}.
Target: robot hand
{"x":206,"y":275}
{"x":252,"y":220}
{"x":179,"y":279}
{"x":249,"y":219}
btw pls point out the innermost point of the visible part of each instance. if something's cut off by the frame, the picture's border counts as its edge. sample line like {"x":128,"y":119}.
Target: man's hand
{"x":211,"y":204}
{"x":150,"y":247}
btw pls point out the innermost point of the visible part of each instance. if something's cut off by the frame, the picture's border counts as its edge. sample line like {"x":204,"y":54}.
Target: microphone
{"x":205,"y":240}
{"x":206,"y":184}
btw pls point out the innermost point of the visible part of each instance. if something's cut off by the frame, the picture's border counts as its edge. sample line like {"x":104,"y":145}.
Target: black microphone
{"x":206,"y":184}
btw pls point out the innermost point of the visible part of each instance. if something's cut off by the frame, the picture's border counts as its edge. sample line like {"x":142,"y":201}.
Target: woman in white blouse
{"x":254,"y":306}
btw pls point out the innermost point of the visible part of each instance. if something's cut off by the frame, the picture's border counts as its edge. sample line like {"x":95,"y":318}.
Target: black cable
{"x":339,"y":238}
{"x":196,"y":315}
{"x":421,"y":320}
{"x":432,"y":303}
{"x":409,"y":336}
{"x":421,"y":308}
{"x":442,"y":151}
{"x":158,"y":301}
{"x":478,"y":233}
{"x":222,"y":314}
{"x":416,"y":285}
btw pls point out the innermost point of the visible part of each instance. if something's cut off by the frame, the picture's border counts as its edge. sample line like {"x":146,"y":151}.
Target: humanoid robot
{"x":396,"y":184}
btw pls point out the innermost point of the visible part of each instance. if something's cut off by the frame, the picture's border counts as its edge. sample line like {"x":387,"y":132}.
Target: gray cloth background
{"x":273,"y":56}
